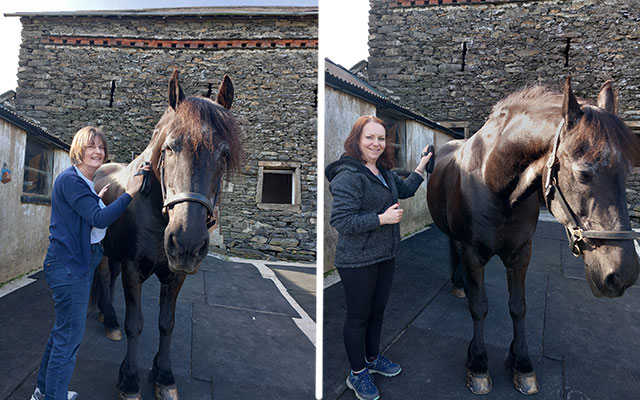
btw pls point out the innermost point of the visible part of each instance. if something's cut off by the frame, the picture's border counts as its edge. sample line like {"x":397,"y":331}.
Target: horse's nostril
{"x":172,"y":245}
{"x":203,"y":249}
{"x":613,"y":282}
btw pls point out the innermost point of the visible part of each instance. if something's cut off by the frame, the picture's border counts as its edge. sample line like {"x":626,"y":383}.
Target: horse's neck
{"x":516,"y":156}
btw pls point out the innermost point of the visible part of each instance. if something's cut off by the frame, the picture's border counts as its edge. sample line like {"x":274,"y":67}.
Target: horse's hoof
{"x":479,"y":383}
{"x":525,"y":383}
{"x":101,"y":318}
{"x":169,"y":392}
{"x":126,"y":396}
{"x":114,"y":334}
{"x":458,"y":292}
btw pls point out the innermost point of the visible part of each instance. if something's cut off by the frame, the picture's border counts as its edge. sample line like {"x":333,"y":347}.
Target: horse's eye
{"x":584,"y":177}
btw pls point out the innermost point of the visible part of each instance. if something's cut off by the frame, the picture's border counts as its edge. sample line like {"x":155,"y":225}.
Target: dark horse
{"x":164,"y":231}
{"x":484,"y":195}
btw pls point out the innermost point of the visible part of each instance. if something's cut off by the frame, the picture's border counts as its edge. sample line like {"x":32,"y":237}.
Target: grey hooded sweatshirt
{"x":358,"y":197}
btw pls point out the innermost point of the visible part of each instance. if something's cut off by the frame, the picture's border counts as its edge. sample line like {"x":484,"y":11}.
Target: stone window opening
{"x":38,"y":172}
{"x":113,"y":90}
{"x":278,"y":185}
{"x":566,"y":52}
{"x":464,"y":55}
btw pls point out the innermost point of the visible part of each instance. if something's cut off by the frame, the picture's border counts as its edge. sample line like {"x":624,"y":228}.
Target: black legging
{"x":366,"y":291}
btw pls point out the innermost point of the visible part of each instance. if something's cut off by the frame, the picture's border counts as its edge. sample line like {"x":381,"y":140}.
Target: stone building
{"x":349,"y":96}
{"x":453,"y":60}
{"x":34,"y":158}
{"x":111,"y":69}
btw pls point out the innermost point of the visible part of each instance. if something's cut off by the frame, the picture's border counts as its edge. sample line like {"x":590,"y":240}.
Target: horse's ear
{"x":225,"y":94}
{"x":570,"y":108}
{"x":607,"y":98}
{"x":176,"y":95}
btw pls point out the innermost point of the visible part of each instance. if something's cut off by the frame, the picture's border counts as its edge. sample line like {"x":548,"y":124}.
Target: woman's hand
{"x":391,"y":215}
{"x":104,"y":190}
{"x":135,"y":182}
{"x":423,"y":161}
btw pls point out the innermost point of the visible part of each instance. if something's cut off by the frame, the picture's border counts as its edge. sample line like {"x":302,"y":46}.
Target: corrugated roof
{"x":179,"y":12}
{"x":31,"y":128}
{"x":342,"y":79}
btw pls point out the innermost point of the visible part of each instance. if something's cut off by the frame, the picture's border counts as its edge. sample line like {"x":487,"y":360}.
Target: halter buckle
{"x":575,"y":237}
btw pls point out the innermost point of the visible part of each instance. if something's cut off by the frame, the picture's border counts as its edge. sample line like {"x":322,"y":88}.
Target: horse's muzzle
{"x":611,"y":278}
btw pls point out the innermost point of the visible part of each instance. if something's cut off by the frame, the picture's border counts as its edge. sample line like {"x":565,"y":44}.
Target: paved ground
{"x":244,"y":330}
{"x":582,"y":347}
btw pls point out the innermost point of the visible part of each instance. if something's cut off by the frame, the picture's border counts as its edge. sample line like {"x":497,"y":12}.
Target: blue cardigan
{"x":74,"y":210}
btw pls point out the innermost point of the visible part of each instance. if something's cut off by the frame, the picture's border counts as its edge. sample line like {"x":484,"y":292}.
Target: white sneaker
{"x":37,"y":395}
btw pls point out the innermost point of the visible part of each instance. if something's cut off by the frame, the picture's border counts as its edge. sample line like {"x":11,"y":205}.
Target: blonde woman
{"x":79,"y":219}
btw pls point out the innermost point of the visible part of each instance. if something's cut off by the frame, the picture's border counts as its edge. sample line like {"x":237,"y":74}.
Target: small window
{"x":38,"y":172}
{"x":278,"y":185}
{"x":397,"y":141}
{"x":460,"y":127}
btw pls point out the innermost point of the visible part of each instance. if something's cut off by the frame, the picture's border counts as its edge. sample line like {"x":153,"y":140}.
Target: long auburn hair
{"x":352,"y":144}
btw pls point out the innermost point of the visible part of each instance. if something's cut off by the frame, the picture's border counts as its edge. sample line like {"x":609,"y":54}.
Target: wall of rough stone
{"x":66,"y":82}
{"x":417,"y":54}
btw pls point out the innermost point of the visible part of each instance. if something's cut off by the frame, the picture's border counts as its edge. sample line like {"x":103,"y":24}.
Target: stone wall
{"x":113,"y":72}
{"x":452,"y":62}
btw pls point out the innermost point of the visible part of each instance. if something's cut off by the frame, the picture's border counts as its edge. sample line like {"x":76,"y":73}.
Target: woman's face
{"x":93,"y":155}
{"x":372,"y":142}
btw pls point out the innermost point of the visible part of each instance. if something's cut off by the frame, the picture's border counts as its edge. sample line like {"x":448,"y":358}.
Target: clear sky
{"x":10,"y":26}
{"x":344,"y":31}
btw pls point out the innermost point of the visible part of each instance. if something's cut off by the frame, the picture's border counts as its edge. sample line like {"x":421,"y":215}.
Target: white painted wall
{"x":340,"y":113}
{"x":24,"y":228}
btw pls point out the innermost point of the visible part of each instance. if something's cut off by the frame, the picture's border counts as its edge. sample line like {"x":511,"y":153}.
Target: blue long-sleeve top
{"x":74,"y":211}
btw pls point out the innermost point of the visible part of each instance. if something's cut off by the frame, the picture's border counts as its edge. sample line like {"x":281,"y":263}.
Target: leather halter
{"x":187,"y":196}
{"x":575,"y":233}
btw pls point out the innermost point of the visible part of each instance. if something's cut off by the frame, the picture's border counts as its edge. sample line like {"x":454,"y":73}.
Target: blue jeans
{"x":71,"y":300}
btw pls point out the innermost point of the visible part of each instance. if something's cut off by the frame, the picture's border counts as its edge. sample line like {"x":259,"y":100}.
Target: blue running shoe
{"x":383,"y":366}
{"x":363,"y":386}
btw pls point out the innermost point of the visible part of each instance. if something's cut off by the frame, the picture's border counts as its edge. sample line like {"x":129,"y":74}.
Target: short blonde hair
{"x":82,"y":139}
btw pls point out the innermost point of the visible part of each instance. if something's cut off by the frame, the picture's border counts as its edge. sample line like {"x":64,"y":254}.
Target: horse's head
{"x":586,"y":190}
{"x":195,"y":142}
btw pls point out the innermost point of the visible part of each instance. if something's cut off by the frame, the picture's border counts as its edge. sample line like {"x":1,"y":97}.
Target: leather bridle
{"x":575,"y":233}
{"x":187,"y":196}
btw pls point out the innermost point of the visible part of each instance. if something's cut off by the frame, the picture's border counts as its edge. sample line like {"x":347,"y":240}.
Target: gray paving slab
{"x":23,"y":334}
{"x":449,"y":316}
{"x":585,"y":380}
{"x":89,"y":388}
{"x":433,"y":368}
{"x":605,"y":331}
{"x":250,"y":341}
{"x":247,"y":290}
{"x":300,"y":282}
{"x":95,"y":346}
{"x":258,"y":349}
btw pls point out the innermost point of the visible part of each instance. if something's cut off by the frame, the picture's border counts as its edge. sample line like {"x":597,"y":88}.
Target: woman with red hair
{"x":366,"y":214}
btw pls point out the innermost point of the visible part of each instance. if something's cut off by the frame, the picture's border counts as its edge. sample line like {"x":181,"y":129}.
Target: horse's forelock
{"x":195,"y":122}
{"x":598,"y":130}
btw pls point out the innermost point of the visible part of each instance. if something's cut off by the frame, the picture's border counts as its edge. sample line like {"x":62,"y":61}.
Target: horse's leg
{"x":108,"y":273}
{"x":524,"y":378}
{"x":164,"y":384}
{"x":478,"y":378}
{"x":128,"y":382}
{"x":457,"y":270}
